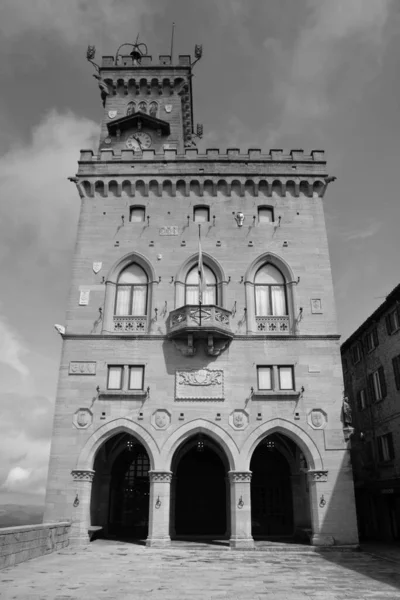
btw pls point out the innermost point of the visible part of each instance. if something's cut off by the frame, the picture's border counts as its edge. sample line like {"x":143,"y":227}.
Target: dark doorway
{"x":200,"y":491}
{"x":271,"y":491}
{"x":129,"y":492}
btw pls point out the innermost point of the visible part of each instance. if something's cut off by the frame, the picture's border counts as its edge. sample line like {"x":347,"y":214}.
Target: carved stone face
{"x":161,"y":420}
{"x":317,"y":418}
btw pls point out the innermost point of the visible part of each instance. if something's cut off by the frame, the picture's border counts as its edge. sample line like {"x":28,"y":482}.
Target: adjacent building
{"x":200,"y":386}
{"x":371,"y":366}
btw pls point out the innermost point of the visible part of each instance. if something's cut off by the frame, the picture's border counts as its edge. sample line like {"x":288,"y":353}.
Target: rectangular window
{"x":345,"y":366}
{"x":264,"y":378}
{"x":396,"y":370}
{"x":136,"y":378}
{"x":385,"y":447}
{"x":201,"y":214}
{"x":137,"y":214}
{"x":377,"y":384}
{"x":114,"y":381}
{"x":362,"y":400}
{"x":286,"y":379}
{"x":371,"y":340}
{"x":393,"y":321}
{"x":265,"y":214}
{"x":356,"y":354}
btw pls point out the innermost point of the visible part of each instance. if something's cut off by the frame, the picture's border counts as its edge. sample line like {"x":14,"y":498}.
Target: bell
{"x":136,"y":56}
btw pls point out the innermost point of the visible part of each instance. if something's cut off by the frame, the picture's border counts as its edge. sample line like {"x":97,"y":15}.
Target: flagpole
{"x":199,"y":278}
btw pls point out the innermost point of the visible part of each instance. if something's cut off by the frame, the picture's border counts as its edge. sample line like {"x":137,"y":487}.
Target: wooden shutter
{"x":380,"y":449}
{"x":371,"y":387}
{"x":390,"y":445}
{"x":396,"y":369}
{"x":388,"y":324}
{"x":382,"y":381}
{"x":375,"y":336}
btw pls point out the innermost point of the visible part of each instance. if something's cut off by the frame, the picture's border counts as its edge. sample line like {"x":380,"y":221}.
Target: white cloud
{"x":74,"y":20}
{"x":339,"y":36}
{"x":12,"y":348}
{"x":363,"y":233}
{"x":16,"y":477}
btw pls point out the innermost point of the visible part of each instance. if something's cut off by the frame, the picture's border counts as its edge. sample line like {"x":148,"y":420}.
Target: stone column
{"x":317,"y":482}
{"x":83,"y":479}
{"x":240,"y":509}
{"x":159,"y":509}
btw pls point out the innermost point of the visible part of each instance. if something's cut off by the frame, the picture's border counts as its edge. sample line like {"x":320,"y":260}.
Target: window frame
{"x":131,"y":292}
{"x":281,"y":389}
{"x":377,"y":384}
{"x":121,"y":369}
{"x":271,"y":371}
{"x":362,"y":399}
{"x":265,"y":207}
{"x":276,"y":385}
{"x":213,"y":285}
{"x":137,"y":207}
{"x":393,"y":321}
{"x":371,"y":340}
{"x":201,"y":207}
{"x":386,"y":451}
{"x":396,"y":370}
{"x":269,"y":287}
{"x":356,"y":353}
{"x":132,"y":389}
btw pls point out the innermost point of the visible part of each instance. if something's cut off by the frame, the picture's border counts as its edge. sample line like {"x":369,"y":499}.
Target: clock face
{"x":138,"y":141}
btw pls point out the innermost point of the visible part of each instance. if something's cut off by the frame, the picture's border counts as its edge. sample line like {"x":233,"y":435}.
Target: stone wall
{"x":18,"y":544}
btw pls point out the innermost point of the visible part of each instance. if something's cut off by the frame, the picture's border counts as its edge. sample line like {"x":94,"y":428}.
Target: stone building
{"x":371,"y":366}
{"x":200,"y":386}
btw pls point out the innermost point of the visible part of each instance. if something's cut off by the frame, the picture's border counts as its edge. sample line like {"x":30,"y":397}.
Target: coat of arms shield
{"x":168,"y":108}
{"x":112,"y":114}
{"x":97,"y":266}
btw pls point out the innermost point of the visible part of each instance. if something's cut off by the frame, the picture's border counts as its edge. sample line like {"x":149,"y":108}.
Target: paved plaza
{"x":120,"y":570}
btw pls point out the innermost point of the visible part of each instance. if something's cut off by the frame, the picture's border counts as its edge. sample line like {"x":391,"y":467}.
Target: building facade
{"x":200,"y":386}
{"x":371,"y":366}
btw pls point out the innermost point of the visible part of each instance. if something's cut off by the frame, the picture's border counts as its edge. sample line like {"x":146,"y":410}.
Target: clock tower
{"x":146,"y":105}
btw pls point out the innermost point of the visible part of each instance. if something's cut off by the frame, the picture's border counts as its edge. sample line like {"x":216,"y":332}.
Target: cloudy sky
{"x":277,"y":73}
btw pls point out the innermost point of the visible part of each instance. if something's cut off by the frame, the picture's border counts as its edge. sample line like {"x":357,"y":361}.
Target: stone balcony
{"x":192,"y":322}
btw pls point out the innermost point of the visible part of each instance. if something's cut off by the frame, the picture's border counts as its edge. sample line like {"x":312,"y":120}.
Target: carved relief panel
{"x":201,"y":384}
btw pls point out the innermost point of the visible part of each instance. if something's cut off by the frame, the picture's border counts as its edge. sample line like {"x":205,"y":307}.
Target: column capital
{"x":160,"y":476}
{"x":83,"y":475}
{"x":317,"y":475}
{"x":240,"y":476}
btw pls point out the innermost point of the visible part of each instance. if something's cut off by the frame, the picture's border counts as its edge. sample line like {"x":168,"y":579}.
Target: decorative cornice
{"x":160,"y":476}
{"x":321,"y":476}
{"x":150,"y":336}
{"x":83,"y":475}
{"x":240,"y":476}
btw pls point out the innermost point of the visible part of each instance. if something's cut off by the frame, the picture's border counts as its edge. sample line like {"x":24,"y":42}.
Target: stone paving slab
{"x":118,"y":570}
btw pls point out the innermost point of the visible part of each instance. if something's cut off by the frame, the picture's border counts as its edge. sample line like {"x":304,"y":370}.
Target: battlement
{"x":211,"y":154}
{"x":127,"y":62}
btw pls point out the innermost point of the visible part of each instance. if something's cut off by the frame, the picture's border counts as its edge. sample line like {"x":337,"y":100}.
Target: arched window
{"x":131,"y":297}
{"x":270,"y":292}
{"x":192,"y":287}
{"x":137,"y":214}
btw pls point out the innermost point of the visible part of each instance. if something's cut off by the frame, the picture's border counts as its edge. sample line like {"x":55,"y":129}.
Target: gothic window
{"x":265,"y":214}
{"x":130,"y":108}
{"x":142,"y":107}
{"x":192,"y":286}
{"x":153,"y":108}
{"x":137,"y":214}
{"x":131,"y":296}
{"x":270,"y":292}
{"x":201,"y":214}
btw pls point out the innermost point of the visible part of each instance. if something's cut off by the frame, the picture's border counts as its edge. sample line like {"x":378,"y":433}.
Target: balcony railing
{"x":193,"y":318}
{"x":130,"y":324}
{"x":273,"y":324}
